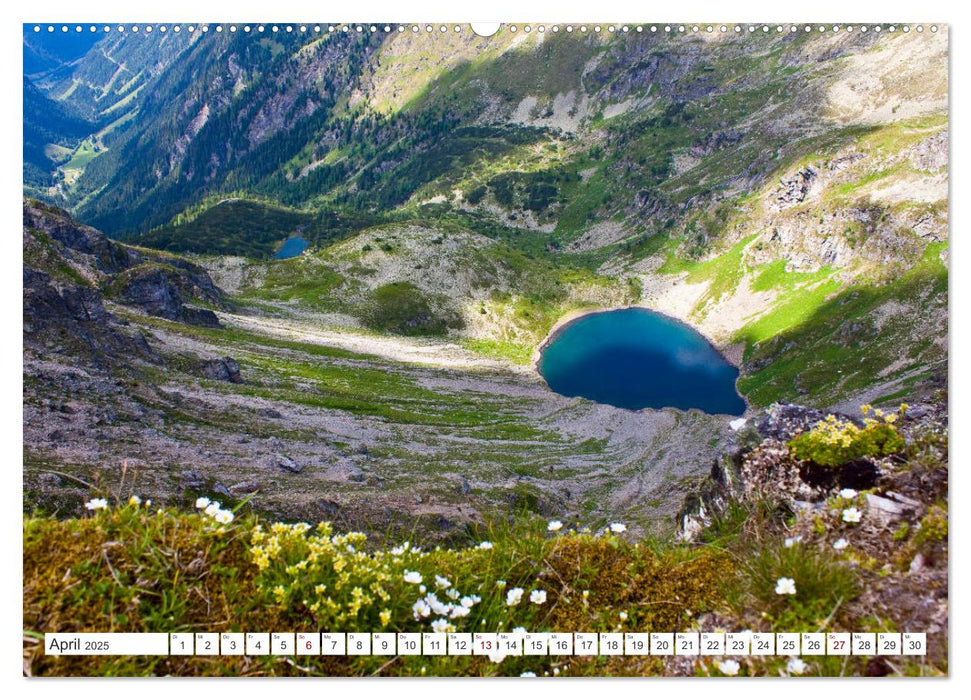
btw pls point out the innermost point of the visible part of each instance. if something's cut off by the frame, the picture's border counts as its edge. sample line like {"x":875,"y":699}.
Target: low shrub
{"x":833,"y":442}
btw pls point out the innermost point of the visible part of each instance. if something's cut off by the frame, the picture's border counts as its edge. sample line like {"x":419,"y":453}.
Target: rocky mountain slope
{"x":125,"y":382}
{"x":784,"y":193}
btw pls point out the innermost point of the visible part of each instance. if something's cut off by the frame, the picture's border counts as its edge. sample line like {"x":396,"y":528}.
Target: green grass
{"x":519,"y":353}
{"x":789,"y":311}
{"x":402,"y":308}
{"x":391,"y":396}
{"x":583,"y":199}
{"x":823,"y":583}
{"x":723,"y":272}
{"x":774,"y":276}
{"x":833,"y":359}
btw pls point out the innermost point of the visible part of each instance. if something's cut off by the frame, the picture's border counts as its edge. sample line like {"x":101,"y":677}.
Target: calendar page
{"x":612,"y":348}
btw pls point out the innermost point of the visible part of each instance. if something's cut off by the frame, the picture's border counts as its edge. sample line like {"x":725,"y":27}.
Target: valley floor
{"x":366,"y":430}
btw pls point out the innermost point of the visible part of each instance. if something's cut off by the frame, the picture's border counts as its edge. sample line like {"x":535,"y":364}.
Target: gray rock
{"x":285,"y":462}
{"x":191,"y":479}
{"x":917,"y":564}
{"x":918,"y":411}
{"x":195,"y":316}
{"x":222,"y":490}
{"x":160,"y":289}
{"x":50,"y":480}
{"x":900,"y":498}
{"x":224,"y":369}
{"x":794,"y":190}
{"x":245,"y":487}
{"x":465,"y":488}
{"x":783,"y":421}
{"x":885,"y":510}
{"x":330,"y":509}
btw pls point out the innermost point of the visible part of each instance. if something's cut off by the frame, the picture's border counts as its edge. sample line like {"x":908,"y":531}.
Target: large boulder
{"x":223,"y":369}
{"x":160,"y":290}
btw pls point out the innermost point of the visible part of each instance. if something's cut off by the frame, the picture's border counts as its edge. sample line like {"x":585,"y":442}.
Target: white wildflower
{"x":848,"y":493}
{"x":496,"y":657}
{"x":729,"y":667}
{"x":796,"y":666}
{"x":442,"y":582}
{"x":793,"y":540}
{"x":514,"y":596}
{"x":442,"y":625}
{"x":485,"y":545}
{"x":224,"y":517}
{"x":421,"y":609}
{"x":202,"y":503}
{"x":412,"y":577}
{"x":841,"y":543}
{"x":538,"y":597}
{"x":500,"y":583}
{"x":134,"y":501}
{"x":554,"y":525}
{"x":96,"y":504}
{"x":618,"y":527}
{"x":519,"y":630}
{"x":459,"y":611}
{"x":852,"y":515}
{"x":212,"y":509}
{"x":437,"y":606}
{"x":785,"y":586}
{"x":527,"y":674}
{"x":468,"y":601}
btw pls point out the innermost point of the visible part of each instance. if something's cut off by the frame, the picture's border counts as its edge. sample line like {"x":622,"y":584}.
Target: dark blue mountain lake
{"x":291,"y":248}
{"x":635,"y":358}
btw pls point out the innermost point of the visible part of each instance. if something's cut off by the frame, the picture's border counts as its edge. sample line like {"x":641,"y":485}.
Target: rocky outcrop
{"x":782,"y":422}
{"x":159,"y":290}
{"x":761,"y":468}
{"x":69,"y":315}
{"x":715,"y":141}
{"x":158,"y":284}
{"x":82,"y":245}
{"x":795,"y":189}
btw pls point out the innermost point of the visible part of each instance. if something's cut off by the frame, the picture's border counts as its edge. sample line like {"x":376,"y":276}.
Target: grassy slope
{"x":519,"y":295}
{"x":131,"y":568}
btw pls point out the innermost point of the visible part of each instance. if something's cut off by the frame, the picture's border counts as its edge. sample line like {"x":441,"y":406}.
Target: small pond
{"x":291,"y":248}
